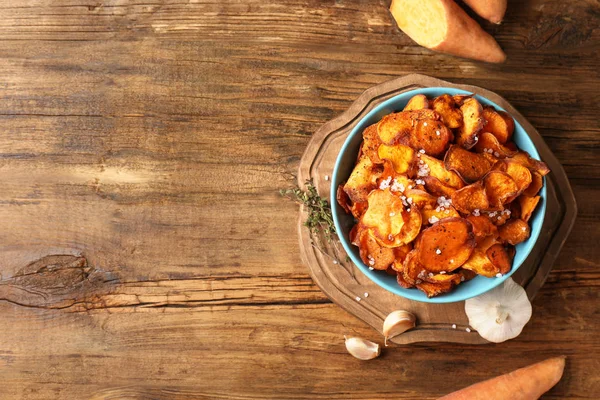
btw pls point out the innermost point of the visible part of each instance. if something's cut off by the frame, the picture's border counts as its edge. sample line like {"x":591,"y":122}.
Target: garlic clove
{"x":362,"y":349}
{"x":398,"y":322}
{"x":501,"y":313}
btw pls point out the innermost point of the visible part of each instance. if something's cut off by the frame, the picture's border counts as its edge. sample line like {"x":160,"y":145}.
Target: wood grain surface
{"x":145,"y":252}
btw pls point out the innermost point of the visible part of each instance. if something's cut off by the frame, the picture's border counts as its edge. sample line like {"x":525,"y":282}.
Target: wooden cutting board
{"x":343,"y":282}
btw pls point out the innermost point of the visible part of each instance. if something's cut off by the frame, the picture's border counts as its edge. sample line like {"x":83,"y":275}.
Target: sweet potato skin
{"x":527,"y":383}
{"x":492,"y":10}
{"x":464,"y":37}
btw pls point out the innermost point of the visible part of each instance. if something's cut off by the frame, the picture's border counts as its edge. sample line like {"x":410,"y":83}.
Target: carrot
{"x":492,"y":10}
{"x":443,"y":26}
{"x":527,"y":383}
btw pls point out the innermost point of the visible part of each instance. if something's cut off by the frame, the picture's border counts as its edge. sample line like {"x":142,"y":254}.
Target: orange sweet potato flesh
{"x":479,"y":261}
{"x":492,"y":10}
{"x":498,"y":123}
{"x":468,"y":165}
{"x":500,"y":257}
{"x":527,"y":383}
{"x":427,"y":213}
{"x":446,"y":245}
{"x":443,"y":26}
{"x":402,"y":157}
{"x":514,"y":231}
{"x":537,"y":181}
{"x":435,"y":289}
{"x":500,"y":188}
{"x":432,"y":136}
{"x":525,"y":159}
{"x":473,"y":120}
{"x":470,"y":198}
{"x":528,"y":205}
{"x":385,"y":214}
{"x":418,"y":102}
{"x":482,"y":226}
{"x":343,"y":199}
{"x":395,"y":127}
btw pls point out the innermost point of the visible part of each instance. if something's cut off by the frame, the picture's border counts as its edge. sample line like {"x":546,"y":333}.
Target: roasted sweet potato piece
{"x":402,"y":157}
{"x":411,"y":268}
{"x":371,"y":253}
{"x":436,"y":187}
{"x":500,"y":188}
{"x":431,"y":136}
{"x":343,"y":199}
{"x":430,"y":277}
{"x":499,"y":257}
{"x":430,"y":216}
{"x":490,"y":157}
{"x":371,"y":143}
{"x":528,"y":205}
{"x":436,"y":168}
{"x":394,"y":127}
{"x":466,"y":275}
{"x":410,"y":230}
{"x":518,"y":172}
{"x":417,"y":102}
{"x":472,"y":112}
{"x":358,"y":209}
{"x":482,"y":226}
{"x":537,"y":181}
{"x":498,"y":123}
{"x":479,"y":261}
{"x":459,"y":99}
{"x":446,"y":245}
{"x":384,"y":215}
{"x":522,"y":157}
{"x":471,"y":198}
{"x":401,"y":252}
{"x":402,"y":282}
{"x":362,"y":180}
{"x":514,"y":231}
{"x":395,"y":181}
{"x":434,"y":289}
{"x":445,"y":106}
{"x":488,"y":143}
{"x":469,"y":166}
{"x":419,"y":198}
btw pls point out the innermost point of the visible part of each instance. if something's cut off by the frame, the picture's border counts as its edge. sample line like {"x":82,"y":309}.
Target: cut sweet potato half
{"x":469,"y":166}
{"x":488,"y":143}
{"x":514,"y":231}
{"x":418,"y":102}
{"x":436,"y":168}
{"x":471,"y":198}
{"x":362,"y":181}
{"x":522,"y":157}
{"x":528,"y":205}
{"x":482,"y":226}
{"x":371,"y":143}
{"x":499,"y":257}
{"x":492,"y":10}
{"x":403,"y":158}
{"x":498,"y":123}
{"x":468,"y":133}
{"x":437,"y":188}
{"x":446,"y":107}
{"x":446,"y":245}
{"x":432,"y":136}
{"x":500,"y":188}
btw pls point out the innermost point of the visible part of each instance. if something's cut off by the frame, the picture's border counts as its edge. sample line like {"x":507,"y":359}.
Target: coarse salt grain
{"x":409,"y":200}
{"x":452,"y":261}
{"x":468,"y":330}
{"x":430,"y":274}
{"x":366,"y":294}
{"x":443,"y":272}
{"x":496,"y":154}
{"x":357,"y":298}
{"x":453,"y":326}
{"x":424,"y":123}
{"x":371,"y":268}
{"x":419,"y":281}
{"x":392,"y":214}
{"x":437,"y":133}
{"x":422,"y":151}
{"x":447,"y":212}
{"x":524,"y":228}
{"x":433,"y":219}
{"x":326,"y":177}
{"x":498,"y":275}
{"x":410,"y":187}
{"x":371,"y":262}
{"x":408,"y":210}
{"x":438,"y":251}
{"x":462,"y":278}
{"x":335,"y":261}
{"x":390,"y":237}
{"x":476,"y":212}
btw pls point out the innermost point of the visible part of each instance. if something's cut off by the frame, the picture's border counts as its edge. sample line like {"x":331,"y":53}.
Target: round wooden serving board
{"x":343,"y":282}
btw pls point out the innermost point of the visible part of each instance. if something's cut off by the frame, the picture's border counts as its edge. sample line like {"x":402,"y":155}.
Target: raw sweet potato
{"x":492,"y":10}
{"x":441,"y":25}
{"x":468,"y":165}
{"x":527,"y":383}
{"x":473,"y":121}
{"x":418,"y":102}
{"x":446,"y":245}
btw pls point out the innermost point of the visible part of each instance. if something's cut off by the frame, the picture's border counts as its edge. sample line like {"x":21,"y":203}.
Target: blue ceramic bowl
{"x":344,"y":222}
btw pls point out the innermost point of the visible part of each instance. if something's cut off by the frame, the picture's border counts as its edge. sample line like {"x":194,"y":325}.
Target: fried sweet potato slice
{"x":430,"y":216}
{"x":358,"y":209}
{"x":418,"y":102}
{"x":466,"y":275}
{"x":371,"y":143}
{"x":469,"y":166}
{"x":401,"y":252}
{"x":479,"y":261}
{"x":437,"y":169}
{"x":419,"y":198}
{"x":436,"y":187}
{"x":471,"y":198}
{"x":385,"y":214}
{"x":522,"y":157}
{"x":459,"y":99}
{"x":389,"y":177}
{"x":362,"y":180}
{"x":431,"y":136}
{"x":488,"y":143}
{"x":371,"y":253}
{"x":499,"y":257}
{"x":468,"y":133}
{"x":343,"y":199}
{"x":402,"y":158}
{"x":537,"y":181}
{"x":435,"y":289}
{"x":514,"y":231}
{"x":411,"y":268}
{"x":454,"y":279}
{"x":500,"y":188}
{"x":528,"y":205}
{"x":446,"y":107}
{"x":482,"y":226}
{"x":498,"y":123}
{"x":446,"y":245}
{"x":394,"y":127}
{"x":402,"y":282}
{"x":518,"y":172}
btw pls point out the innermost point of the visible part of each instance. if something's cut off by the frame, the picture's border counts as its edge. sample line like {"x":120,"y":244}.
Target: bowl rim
{"x":377,"y":276}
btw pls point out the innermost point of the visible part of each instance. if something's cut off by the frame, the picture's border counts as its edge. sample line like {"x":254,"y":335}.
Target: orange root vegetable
{"x":492,"y":10}
{"x":527,"y":383}
{"x":443,"y":26}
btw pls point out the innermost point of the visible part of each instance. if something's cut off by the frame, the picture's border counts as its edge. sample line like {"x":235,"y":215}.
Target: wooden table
{"x":145,"y":250}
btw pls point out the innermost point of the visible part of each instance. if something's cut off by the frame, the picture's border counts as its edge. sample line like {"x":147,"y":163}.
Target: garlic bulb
{"x":501,"y":313}
{"x":397,"y":322}
{"x":362,"y":349}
